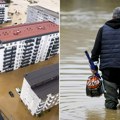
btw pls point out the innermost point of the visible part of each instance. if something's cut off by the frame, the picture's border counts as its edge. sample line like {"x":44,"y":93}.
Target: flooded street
{"x":12,"y":107}
{"x":80,"y":21}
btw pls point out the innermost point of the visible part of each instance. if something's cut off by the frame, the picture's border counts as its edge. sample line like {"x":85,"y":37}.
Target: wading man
{"x":107,"y":49}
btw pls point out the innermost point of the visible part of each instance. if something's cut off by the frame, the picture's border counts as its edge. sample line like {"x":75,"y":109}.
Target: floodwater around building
{"x":12,"y":107}
{"x":17,"y":9}
{"x":80,"y":21}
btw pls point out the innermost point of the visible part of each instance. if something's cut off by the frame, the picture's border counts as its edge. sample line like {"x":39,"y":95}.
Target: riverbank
{"x":12,"y":106}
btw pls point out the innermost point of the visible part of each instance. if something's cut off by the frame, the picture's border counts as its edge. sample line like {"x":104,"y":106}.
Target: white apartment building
{"x":40,"y":89}
{"x":38,"y":13}
{"x":26,"y":44}
{"x":3,"y":11}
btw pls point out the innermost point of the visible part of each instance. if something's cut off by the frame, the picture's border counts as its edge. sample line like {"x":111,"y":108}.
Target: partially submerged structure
{"x":40,"y":89}
{"x":3,"y":11}
{"x":26,"y":44}
{"x":37,"y":13}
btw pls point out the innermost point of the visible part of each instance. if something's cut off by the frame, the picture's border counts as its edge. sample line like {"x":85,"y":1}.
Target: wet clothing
{"x":111,"y":95}
{"x":107,"y":46}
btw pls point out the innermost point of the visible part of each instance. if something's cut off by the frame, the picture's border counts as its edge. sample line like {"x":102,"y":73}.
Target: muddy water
{"x":13,"y":108}
{"x":80,"y":21}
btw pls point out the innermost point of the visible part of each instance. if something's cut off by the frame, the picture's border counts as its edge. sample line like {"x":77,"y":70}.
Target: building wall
{"x":30,"y":99}
{"x":21,"y":53}
{"x":6,"y":12}
{"x":3,"y":13}
{"x":51,"y":101}
{"x":34,"y":104}
{"x":34,"y":15}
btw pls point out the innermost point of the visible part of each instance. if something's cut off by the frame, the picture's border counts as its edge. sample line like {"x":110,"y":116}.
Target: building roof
{"x":51,"y":87}
{"x":44,"y":81}
{"x":45,"y":10}
{"x":2,"y":2}
{"x":23,"y":31}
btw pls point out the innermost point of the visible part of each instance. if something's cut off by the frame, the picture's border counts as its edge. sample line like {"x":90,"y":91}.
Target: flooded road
{"x":80,"y":21}
{"x":12,"y":107}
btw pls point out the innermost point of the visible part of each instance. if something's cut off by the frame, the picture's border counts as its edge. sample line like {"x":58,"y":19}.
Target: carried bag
{"x":94,"y":86}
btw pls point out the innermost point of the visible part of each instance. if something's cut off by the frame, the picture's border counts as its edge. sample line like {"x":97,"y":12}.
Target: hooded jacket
{"x":107,"y":47}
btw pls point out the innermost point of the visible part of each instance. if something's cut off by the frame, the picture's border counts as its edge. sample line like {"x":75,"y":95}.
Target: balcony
{"x":52,"y":39}
{"x":34,"y":53}
{"x":37,"y":47}
{"x":13,"y":48}
{"x":29,"y":41}
{"x":23,"y":65}
{"x":54,"y":51}
{"x":8,"y":63}
{"x":13,"y":58}
{"x":57,"y":38}
{"x":5,"y":58}
{"x":5,"y":62}
{"x":28,"y":52}
{"x":26,"y":56}
{"x":35,"y":50}
{"x":25,"y":62}
{"x":56,"y":42}
{"x":51,"y":43}
{"x":25,"y":59}
{"x":8,"y":67}
{"x":33,"y":60}
{"x":13,"y":52}
{"x":55,"y":47}
{"x":13,"y":55}
{"x":27,"y":49}
{"x":52,"y":54}
{"x":38,"y":42}
{"x":8,"y":54}
{"x":39,"y":107}
{"x":1,"y":47}
{"x":8,"y":50}
{"x":28,"y":45}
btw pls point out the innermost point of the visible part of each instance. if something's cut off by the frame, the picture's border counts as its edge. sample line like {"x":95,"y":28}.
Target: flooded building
{"x":38,"y":13}
{"x":3,"y":11}
{"x":26,"y":44}
{"x":40,"y":89}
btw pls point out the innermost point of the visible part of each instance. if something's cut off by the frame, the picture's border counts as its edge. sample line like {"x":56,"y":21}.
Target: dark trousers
{"x":111,"y":95}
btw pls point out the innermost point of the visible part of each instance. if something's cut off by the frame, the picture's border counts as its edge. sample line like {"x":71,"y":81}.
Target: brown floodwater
{"x":80,"y":21}
{"x":12,"y":107}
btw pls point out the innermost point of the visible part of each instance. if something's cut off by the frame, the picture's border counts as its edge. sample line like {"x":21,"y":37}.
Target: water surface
{"x":80,"y":21}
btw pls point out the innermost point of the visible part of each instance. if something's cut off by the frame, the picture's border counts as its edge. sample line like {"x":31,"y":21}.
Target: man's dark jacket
{"x":107,"y":47}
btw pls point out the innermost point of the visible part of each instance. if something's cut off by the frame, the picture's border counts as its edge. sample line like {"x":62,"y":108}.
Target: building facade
{"x":38,"y":13}
{"x":26,"y":44}
{"x":3,"y":11}
{"x":40,"y":89}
